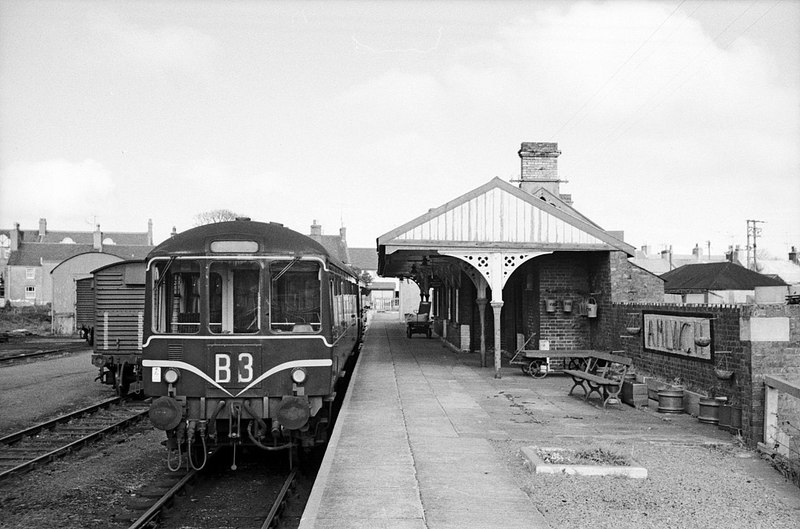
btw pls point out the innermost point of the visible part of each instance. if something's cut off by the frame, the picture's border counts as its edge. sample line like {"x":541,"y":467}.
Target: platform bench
{"x":603,"y":374}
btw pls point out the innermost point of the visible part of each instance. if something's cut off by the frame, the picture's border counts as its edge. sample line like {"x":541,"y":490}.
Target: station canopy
{"x":496,"y":221}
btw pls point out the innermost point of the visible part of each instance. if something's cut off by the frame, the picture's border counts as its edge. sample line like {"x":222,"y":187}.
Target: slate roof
{"x":364,"y":258}
{"x":715,"y":276}
{"x":334,"y":245}
{"x":83,"y":237}
{"x":382,"y":285}
{"x":33,"y":254}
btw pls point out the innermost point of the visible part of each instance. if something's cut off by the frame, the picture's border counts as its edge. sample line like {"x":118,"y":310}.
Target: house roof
{"x":786,"y":270}
{"x":661,"y":265}
{"x":33,"y":254}
{"x":382,"y":285}
{"x":334,"y":245}
{"x":715,"y":276}
{"x":364,"y":258}
{"x":83,"y":237}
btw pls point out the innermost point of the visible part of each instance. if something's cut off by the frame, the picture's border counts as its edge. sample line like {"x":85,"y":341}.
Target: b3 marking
{"x":223,"y":369}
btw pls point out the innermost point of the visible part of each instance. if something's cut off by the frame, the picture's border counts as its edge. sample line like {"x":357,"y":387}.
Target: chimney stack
{"x":97,"y":239}
{"x":42,"y":229}
{"x":697,"y":252}
{"x":15,"y":237}
{"x":150,"y":232}
{"x":539,"y":167}
{"x":316,"y":229}
{"x":793,"y":256}
{"x":343,"y":233}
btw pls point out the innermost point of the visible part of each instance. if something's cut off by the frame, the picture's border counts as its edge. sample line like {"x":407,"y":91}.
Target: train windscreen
{"x":295,"y":296}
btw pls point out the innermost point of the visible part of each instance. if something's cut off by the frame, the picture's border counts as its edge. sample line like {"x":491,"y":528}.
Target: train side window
{"x":176,"y":297}
{"x":234,"y":297}
{"x":295,"y":296}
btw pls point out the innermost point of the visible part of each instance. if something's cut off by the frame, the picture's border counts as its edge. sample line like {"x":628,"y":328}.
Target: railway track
{"x":152,"y":516}
{"x":26,"y":449}
{"x":13,"y":356}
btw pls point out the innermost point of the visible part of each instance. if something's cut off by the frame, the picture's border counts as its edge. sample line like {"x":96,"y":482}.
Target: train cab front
{"x":272,"y":394}
{"x":237,"y":342}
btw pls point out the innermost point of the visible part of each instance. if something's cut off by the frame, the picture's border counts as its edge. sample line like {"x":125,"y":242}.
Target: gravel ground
{"x":88,"y":489}
{"x":683,"y":489}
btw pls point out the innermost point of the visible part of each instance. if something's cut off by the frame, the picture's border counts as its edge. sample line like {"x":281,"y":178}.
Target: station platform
{"x":423,"y":437}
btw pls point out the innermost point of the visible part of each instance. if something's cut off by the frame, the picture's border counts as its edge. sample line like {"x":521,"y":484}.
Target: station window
{"x":30,"y":273}
{"x":176,"y":297}
{"x":295,"y":296}
{"x":234,"y":297}
{"x":30,"y":292}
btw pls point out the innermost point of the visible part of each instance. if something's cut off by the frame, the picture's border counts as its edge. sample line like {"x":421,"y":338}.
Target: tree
{"x":215,"y":215}
{"x":366,"y":277}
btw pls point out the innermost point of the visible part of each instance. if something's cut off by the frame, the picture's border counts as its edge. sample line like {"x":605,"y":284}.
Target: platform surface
{"x":419,"y":441}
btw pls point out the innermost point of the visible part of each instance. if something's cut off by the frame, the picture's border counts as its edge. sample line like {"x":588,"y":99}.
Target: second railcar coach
{"x":248,"y":329}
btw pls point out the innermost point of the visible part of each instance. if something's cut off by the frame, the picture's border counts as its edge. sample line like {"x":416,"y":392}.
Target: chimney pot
{"x":42,"y":228}
{"x":316,"y":229}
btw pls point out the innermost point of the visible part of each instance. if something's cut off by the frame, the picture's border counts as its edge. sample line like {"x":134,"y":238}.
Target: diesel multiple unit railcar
{"x":248,"y":329}
{"x":114,"y":296}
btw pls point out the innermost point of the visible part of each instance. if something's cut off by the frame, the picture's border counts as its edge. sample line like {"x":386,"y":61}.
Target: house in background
{"x":385,"y":294}
{"x":662,"y":262}
{"x":30,"y":256}
{"x":716,"y":283}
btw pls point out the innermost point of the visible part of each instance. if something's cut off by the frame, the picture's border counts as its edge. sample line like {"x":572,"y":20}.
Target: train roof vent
{"x":243,"y":218}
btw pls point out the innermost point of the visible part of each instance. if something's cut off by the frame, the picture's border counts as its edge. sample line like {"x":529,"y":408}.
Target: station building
{"x":505,"y":264}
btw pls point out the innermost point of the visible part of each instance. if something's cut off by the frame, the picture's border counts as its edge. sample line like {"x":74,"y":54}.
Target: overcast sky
{"x":677,"y":120}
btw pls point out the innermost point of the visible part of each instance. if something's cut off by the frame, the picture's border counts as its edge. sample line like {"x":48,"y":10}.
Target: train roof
{"x":272,"y":239}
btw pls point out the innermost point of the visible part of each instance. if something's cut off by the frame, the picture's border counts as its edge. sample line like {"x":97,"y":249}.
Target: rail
{"x":10,"y":358}
{"x":155,"y":510}
{"x":41,"y":449}
{"x":273,"y":518}
{"x":49,"y":425}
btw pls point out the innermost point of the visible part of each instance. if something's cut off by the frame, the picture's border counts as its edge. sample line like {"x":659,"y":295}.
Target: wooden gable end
{"x":498,"y":213}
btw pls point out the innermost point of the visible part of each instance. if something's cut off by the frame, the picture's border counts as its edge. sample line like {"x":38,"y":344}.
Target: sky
{"x":678,"y":121}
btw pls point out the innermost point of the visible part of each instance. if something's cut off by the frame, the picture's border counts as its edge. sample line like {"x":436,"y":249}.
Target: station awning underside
{"x":496,"y":221}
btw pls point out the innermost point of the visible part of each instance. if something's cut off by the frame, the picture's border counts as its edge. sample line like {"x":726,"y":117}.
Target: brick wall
{"x":733,"y":349}
{"x":779,"y":357}
{"x":561,"y":276}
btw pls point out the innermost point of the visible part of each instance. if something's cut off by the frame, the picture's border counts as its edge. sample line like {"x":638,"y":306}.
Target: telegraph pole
{"x":753,"y":232}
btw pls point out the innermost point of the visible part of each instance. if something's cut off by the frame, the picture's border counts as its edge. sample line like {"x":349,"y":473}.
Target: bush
{"x":35,"y":319}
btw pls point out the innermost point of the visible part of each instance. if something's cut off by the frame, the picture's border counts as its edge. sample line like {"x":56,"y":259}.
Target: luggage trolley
{"x":536,"y":363}
{"x":420,"y":322}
